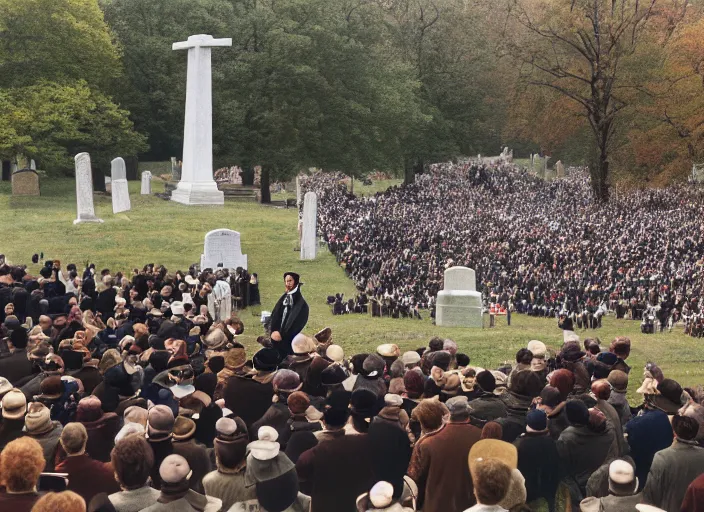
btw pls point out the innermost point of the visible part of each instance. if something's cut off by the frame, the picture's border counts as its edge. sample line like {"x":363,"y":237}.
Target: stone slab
{"x":459,"y":309}
{"x":309,"y":234}
{"x":222,"y":247}
{"x":120,"y":188}
{"x":460,"y":278}
{"x":84,"y":190}
{"x":146,"y":185}
{"x":25,"y":183}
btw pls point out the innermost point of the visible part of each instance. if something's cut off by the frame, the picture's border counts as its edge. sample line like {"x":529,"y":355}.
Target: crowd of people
{"x":129,"y":400}
{"x":539,"y":247}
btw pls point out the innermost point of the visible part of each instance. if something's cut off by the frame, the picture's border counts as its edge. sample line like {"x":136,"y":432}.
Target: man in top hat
{"x":290,"y":315}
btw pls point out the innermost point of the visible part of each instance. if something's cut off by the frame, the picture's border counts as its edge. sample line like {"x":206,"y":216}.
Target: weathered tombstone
{"x":25,"y":183}
{"x":120,"y":189}
{"x":33,"y":164}
{"x":459,"y":304}
{"x":560,"y":169}
{"x":197,"y":186}
{"x":175,"y":169}
{"x":108,"y":184}
{"x":298,"y":191}
{"x":309,"y":246}
{"x":146,"y":189}
{"x":222,"y":247}
{"x":84,"y":190}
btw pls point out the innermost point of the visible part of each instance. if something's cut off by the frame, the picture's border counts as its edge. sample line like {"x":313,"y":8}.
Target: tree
{"x":582,"y":49}
{"x":55,"y":40}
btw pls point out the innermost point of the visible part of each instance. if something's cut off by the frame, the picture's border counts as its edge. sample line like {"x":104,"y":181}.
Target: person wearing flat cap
{"x":290,"y":315}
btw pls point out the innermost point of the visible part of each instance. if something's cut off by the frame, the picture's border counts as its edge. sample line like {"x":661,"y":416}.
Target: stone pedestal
{"x":459,"y":304}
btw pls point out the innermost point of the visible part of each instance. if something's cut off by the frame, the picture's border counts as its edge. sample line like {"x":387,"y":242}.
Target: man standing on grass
{"x":290,"y":315}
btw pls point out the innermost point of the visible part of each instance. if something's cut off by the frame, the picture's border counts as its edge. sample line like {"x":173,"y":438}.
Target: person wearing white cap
{"x":623,"y":491}
{"x":380,"y":497}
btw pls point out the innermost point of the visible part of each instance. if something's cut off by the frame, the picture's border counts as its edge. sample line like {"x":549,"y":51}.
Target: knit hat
{"x":160,"y":421}
{"x":89,"y":409}
{"x":230,"y":442}
{"x":577,"y":412}
{"x":51,"y":387}
{"x":183,"y":429}
{"x":265,"y":447}
{"x":286,"y":381}
{"x":459,"y":407}
{"x":622,"y":478}
{"x":485,"y":449}
{"x":373,"y":365}
{"x":414,"y":383}
{"x":550,"y":397}
{"x":302,"y":344}
{"x":266,"y":359}
{"x":536,"y":421}
{"x":486,"y":381}
{"x":174,"y":469}
{"x":298,"y":402}
{"x":333,"y":375}
{"x":388,"y":350}
{"x":335,"y":353}
{"x":136,"y":414}
{"x":380,"y":496}
{"x":128,"y":429}
{"x":265,"y":461}
{"x":410,"y":358}
{"x":38,"y":420}
{"x":618,"y":380}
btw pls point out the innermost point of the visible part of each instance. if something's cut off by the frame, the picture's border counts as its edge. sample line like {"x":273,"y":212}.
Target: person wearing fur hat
{"x":585,"y":445}
{"x":486,"y":406}
{"x":439,"y":464}
{"x":87,"y":476}
{"x":249,"y":396}
{"x":619,"y":387}
{"x":298,"y":403}
{"x":235,"y":363}
{"x":525,"y":386}
{"x":674,"y":468}
{"x":176,"y":492}
{"x":132,"y":460}
{"x":21,"y":464}
{"x":623,"y":491}
{"x":227,"y":481}
{"x":277,"y":415}
{"x":289,"y":316}
{"x":380,"y":498}
{"x":38,"y":425}
{"x":303,"y":348}
{"x":538,"y":459}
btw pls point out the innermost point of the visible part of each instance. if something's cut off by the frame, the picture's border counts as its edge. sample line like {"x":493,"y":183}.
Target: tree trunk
{"x":409,"y":172}
{"x":599,"y":171}
{"x":264,"y":190}
{"x":247,"y":175}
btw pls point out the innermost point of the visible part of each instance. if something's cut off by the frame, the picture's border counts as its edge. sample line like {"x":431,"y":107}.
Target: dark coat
{"x":514,"y":423}
{"x":88,"y":477}
{"x":161,"y":449}
{"x":487,"y":407}
{"x":439,"y":468}
{"x":49,"y":441}
{"x":539,"y":463}
{"x":101,"y":436}
{"x":295,"y":322}
{"x":325,"y":467}
{"x":648,"y":433}
{"x":671,"y":472}
{"x":276,"y":416}
{"x":89,"y":376}
{"x":557,"y":421}
{"x":10,"y":430}
{"x":582,"y":451}
{"x":198,"y":460}
{"x":248,"y":398}
{"x":15,"y":366}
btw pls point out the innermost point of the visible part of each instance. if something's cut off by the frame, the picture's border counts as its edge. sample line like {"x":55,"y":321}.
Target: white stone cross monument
{"x":120,"y":190}
{"x":146,"y":189}
{"x":309,"y":246}
{"x":222,"y":247}
{"x":459,"y":304}
{"x":197,"y":185}
{"x":84,"y":190}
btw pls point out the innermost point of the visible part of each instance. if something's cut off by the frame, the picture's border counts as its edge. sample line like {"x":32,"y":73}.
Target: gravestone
{"x":560,"y":169}
{"x":222,"y":247}
{"x":25,"y":183}
{"x":175,"y":169}
{"x":298,"y":191}
{"x":197,"y":186}
{"x":84,"y":190}
{"x":33,"y":164}
{"x":108,"y":184}
{"x":146,"y":189}
{"x":309,"y":246}
{"x":459,"y":304}
{"x":120,"y":189}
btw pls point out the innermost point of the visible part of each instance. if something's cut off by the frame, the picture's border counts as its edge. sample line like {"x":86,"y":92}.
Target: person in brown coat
{"x":184,"y":444}
{"x":249,"y":396}
{"x":439,"y":463}
{"x":102,"y":427}
{"x":86,"y":476}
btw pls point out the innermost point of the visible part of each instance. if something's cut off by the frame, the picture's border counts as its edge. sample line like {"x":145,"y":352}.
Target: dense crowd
{"x":127,"y":400}
{"x":540,"y":247}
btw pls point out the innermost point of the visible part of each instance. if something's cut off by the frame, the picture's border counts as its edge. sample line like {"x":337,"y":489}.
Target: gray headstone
{"x":223,"y":247}
{"x":120,"y":189}
{"x":25,"y":183}
{"x":309,"y":246}
{"x":146,"y":188}
{"x":33,"y":164}
{"x":560,"y":169}
{"x":108,"y":184}
{"x":84,"y":190}
{"x":298,"y":191}
{"x":459,"y":304}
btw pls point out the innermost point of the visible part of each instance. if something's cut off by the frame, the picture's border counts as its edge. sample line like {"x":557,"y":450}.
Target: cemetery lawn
{"x":172,"y":234}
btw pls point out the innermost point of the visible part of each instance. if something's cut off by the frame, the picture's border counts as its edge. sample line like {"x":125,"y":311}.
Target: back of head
{"x":66,"y":501}
{"x":21,"y":463}
{"x":429,"y":413}
{"x":601,"y":389}
{"x":621,"y":346}
{"x":491,"y":479}
{"x":74,"y":438}
{"x":685,"y":428}
{"x":133,"y":459}
{"x":524,"y":356}
{"x":278,"y":494}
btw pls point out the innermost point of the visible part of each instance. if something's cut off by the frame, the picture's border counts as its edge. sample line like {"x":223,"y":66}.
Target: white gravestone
{"x":197,"y":185}
{"x":309,"y":246}
{"x":33,"y":164}
{"x":84,"y":190}
{"x":560,"y":169}
{"x":222,"y":248}
{"x":120,"y":189}
{"x":298,"y":191}
{"x":459,"y":304}
{"x":146,"y":189}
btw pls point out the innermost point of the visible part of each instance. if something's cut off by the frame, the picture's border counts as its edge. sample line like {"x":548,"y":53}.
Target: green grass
{"x":172,"y":234}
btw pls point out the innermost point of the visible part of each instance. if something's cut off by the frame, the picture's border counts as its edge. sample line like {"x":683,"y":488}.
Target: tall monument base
{"x":459,"y":308}
{"x":199,"y":193}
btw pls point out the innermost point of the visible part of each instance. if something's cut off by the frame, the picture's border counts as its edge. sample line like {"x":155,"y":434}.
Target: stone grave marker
{"x":175,"y":169}
{"x":560,"y":169}
{"x":33,"y":164}
{"x":309,"y":235}
{"x":108,"y":184}
{"x":120,"y":190}
{"x":25,"y":183}
{"x":298,"y":191}
{"x":84,"y":190}
{"x":146,"y":189}
{"x":222,"y":247}
{"x":459,"y":304}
